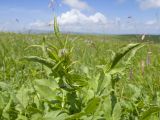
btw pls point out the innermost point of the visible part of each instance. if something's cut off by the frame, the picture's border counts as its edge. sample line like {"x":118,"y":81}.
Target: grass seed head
{"x":143,"y":37}
{"x":142,"y":67}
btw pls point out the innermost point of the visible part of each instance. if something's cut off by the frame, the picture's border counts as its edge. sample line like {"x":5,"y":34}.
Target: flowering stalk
{"x":148,"y":58}
{"x":131,"y":74}
{"x":142,"y":67}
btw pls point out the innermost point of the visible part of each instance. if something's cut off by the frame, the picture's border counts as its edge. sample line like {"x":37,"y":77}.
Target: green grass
{"x":79,"y":77}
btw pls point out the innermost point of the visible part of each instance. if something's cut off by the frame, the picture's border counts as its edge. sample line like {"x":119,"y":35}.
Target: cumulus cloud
{"x":76,"y":4}
{"x":147,"y":4}
{"x":76,"y":17}
{"x":76,"y":21}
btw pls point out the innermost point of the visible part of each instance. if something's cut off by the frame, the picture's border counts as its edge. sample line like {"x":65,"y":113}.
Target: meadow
{"x":79,"y":77}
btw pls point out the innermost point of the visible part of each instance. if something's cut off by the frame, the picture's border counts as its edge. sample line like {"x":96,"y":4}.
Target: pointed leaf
{"x":43,"y":61}
{"x":121,"y":53}
{"x":117,"y":112}
{"x":55,"y":115}
{"x":92,"y":105}
{"x":149,"y":112}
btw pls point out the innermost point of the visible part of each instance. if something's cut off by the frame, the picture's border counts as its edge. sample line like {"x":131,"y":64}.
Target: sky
{"x":82,"y":16}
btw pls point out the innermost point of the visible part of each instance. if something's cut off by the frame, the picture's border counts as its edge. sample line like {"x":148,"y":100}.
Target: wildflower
{"x":62,"y":52}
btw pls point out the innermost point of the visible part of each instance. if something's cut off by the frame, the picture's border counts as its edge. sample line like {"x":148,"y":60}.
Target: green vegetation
{"x":79,"y":77}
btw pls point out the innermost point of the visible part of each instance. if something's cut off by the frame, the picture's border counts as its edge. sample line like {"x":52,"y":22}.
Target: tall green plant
{"x":70,"y":84}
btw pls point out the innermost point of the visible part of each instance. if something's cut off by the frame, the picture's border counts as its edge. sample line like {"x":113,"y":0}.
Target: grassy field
{"x":79,"y":77}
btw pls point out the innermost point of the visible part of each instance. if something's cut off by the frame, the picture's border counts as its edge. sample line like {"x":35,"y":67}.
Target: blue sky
{"x":90,"y":16}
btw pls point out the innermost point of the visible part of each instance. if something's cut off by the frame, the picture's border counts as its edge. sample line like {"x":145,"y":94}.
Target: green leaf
{"x":2,"y":102}
{"x":46,"y":92}
{"x":52,"y":55}
{"x":57,"y":32}
{"x":133,"y":52}
{"x":107,"y":107}
{"x":121,"y":53}
{"x":47,"y":88}
{"x":149,"y":112}
{"x":4,"y":86}
{"x":23,"y":96}
{"x":55,"y":115}
{"x":51,"y":83}
{"x":34,"y":46}
{"x":117,"y":70}
{"x":75,"y":116}
{"x":57,"y":65}
{"x":43,"y":61}
{"x":56,"y":28}
{"x":93,"y":105}
{"x":78,"y":80}
{"x":37,"y":116}
{"x":135,"y":91}
{"x":6,"y":109}
{"x":22,"y":117}
{"x":101,"y":82}
{"x":117,"y":112}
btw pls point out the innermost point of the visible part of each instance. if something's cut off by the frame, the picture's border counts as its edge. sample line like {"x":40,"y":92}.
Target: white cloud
{"x":76,"y":17}
{"x":76,"y":21}
{"x":77,"y":4}
{"x":147,"y":4}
